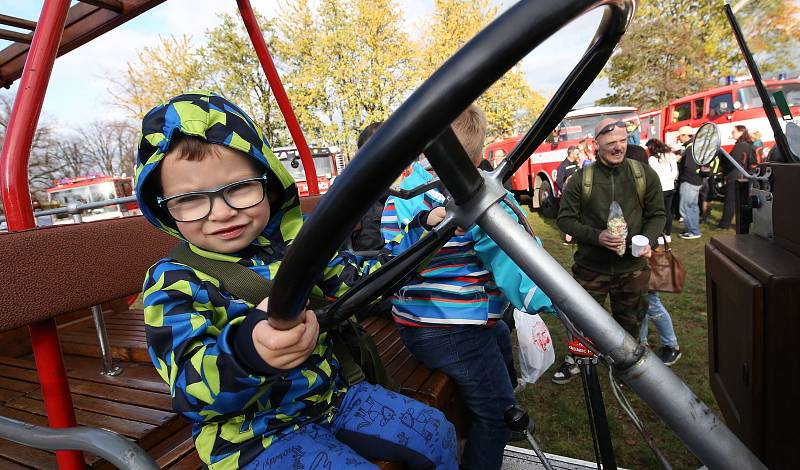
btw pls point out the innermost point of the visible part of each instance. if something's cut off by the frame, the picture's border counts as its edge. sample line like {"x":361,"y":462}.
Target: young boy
{"x":257,"y":396}
{"x":448,"y":315}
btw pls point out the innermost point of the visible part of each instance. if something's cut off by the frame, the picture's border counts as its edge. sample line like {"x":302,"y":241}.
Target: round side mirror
{"x":706,"y":144}
{"x":295,"y":163}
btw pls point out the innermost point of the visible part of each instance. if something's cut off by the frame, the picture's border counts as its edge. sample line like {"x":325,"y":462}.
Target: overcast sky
{"x":78,"y":91}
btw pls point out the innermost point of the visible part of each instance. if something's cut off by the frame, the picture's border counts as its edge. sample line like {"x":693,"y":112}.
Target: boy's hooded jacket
{"x":468,"y":282}
{"x":199,"y":335}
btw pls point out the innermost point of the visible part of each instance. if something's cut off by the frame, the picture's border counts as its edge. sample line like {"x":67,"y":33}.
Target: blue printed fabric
{"x":371,"y":422}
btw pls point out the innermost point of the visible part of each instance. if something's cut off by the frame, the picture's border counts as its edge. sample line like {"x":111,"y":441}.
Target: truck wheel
{"x":548,"y":205}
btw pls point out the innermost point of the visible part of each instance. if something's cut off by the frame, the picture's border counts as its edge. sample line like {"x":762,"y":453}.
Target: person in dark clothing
{"x":745,"y":154}
{"x":599,"y":267}
{"x":565,"y":170}
{"x":636,"y":152}
{"x":568,"y":167}
{"x":690,"y":184}
{"x":367,"y":234}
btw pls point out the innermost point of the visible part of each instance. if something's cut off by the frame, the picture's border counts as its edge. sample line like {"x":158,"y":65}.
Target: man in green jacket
{"x":598,"y":267}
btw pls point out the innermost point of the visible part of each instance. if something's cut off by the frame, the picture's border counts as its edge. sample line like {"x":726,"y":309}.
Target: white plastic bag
{"x":536,"y":352}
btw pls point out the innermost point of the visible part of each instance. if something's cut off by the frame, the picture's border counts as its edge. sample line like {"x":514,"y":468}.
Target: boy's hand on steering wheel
{"x":286,"y":348}
{"x":435,"y":216}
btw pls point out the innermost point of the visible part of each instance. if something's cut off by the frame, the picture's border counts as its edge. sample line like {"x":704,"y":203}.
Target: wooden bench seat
{"x":136,"y":405}
{"x":97,"y":263}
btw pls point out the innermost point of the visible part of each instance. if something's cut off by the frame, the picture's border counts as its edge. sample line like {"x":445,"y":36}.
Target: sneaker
{"x":565,"y":373}
{"x":690,"y":236}
{"x":669,"y":355}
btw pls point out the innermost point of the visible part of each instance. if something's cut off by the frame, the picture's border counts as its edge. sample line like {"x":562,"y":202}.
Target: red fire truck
{"x":536,"y":180}
{"x":327,"y":161}
{"x":727,"y":106}
{"x":92,"y":188}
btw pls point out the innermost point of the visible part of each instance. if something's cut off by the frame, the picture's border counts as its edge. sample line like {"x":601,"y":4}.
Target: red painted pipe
{"x":257,"y":38}
{"x":19,"y":215}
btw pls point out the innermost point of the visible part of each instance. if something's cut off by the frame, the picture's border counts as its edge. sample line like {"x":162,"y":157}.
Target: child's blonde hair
{"x":470,"y":128}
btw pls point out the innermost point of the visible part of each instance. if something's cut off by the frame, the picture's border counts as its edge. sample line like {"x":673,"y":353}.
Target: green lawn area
{"x":559,"y":411}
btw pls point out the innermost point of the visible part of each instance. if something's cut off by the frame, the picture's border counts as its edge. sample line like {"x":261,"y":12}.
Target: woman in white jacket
{"x":665,"y":163}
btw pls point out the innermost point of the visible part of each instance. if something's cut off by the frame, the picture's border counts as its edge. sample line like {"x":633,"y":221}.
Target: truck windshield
{"x":749,"y":98}
{"x":578,"y":127}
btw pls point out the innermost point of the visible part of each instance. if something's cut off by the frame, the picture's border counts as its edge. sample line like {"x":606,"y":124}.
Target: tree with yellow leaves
{"x":510,"y":104}
{"x":347,"y":65}
{"x":159,"y":73}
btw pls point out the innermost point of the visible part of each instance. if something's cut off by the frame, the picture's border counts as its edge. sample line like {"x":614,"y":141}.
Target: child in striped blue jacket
{"x":448,"y":314}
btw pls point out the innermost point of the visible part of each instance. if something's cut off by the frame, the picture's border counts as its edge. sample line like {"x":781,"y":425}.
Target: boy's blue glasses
{"x":196,"y":205}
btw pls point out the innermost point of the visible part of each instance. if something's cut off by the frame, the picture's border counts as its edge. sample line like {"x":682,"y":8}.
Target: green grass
{"x":559,"y":411}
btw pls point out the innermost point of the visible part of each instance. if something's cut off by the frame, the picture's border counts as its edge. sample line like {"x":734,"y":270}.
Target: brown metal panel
{"x":786,"y":194}
{"x":84,"y":23}
{"x":735,"y":325}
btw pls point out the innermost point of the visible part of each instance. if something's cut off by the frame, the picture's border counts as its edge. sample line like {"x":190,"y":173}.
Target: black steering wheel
{"x":422,"y":124}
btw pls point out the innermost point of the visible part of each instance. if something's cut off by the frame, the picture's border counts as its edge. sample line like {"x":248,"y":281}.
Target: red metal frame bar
{"x":257,"y":38}
{"x":19,"y":214}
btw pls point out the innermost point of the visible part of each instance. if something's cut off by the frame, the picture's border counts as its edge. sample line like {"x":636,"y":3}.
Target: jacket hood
{"x":408,"y":208}
{"x":216,"y":120}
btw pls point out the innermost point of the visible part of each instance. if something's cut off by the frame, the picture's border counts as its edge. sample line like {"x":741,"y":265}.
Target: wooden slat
{"x":132,"y":429}
{"x":177,"y":450}
{"x":137,"y":376}
{"x":89,"y":350}
{"x":17,"y":373}
{"x":14,"y":36}
{"x":28,"y":456}
{"x":8,"y":395}
{"x":113,"y":408}
{"x":16,"y":385}
{"x":158,"y":401}
{"x":133,"y":322}
{"x":17,"y":22}
{"x":190,"y":462}
{"x":113,"y":5}
{"x":17,"y":362}
{"x":9,"y":465}
{"x":437,"y":389}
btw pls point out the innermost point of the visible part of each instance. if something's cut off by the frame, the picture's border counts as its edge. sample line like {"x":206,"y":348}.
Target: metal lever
{"x":518,"y":420}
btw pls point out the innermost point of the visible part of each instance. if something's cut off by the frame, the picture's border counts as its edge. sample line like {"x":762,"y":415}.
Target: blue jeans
{"x":371,"y":423}
{"x":476,"y":358}
{"x":689,"y":207}
{"x":662,"y":321}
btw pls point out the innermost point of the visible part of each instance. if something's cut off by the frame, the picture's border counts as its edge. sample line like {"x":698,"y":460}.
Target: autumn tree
{"x":678,"y":47}
{"x":110,"y":146}
{"x":232,"y":67}
{"x":510,"y":103}
{"x":159,"y":73}
{"x":346,"y":65}
{"x":43,"y":162}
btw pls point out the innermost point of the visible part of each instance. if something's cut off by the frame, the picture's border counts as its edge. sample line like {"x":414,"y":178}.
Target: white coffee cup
{"x":638,"y":242}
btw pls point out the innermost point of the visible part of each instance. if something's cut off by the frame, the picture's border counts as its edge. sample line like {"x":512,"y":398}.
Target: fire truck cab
{"x":88,"y":189}
{"x":727,"y":106}
{"x":328,"y":162}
